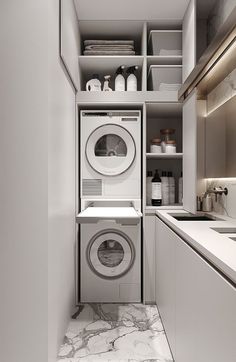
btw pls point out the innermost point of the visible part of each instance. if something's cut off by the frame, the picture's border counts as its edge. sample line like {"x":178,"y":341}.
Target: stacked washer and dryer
{"x":110,"y":195}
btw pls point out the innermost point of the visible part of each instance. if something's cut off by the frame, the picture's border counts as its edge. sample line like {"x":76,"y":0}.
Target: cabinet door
{"x":205,"y":310}
{"x":165,"y":278}
{"x":149,"y":261}
{"x":189,"y":39}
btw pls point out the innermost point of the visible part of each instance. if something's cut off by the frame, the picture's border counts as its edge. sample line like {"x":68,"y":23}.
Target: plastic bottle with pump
{"x":120,"y":79}
{"x":132,"y":83}
{"x":156,"y":190}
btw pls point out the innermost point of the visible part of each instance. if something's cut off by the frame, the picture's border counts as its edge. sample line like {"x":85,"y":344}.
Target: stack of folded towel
{"x":109,"y":47}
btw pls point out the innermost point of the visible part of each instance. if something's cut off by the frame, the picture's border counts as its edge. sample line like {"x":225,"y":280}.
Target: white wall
{"x":23,"y":180}
{"x":225,"y":205}
{"x":61,"y":188}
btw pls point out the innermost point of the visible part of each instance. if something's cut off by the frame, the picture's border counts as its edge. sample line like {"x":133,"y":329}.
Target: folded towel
{"x":109,"y":52}
{"x":169,"y":87}
{"x":108,"y":42}
{"x":109,"y":47}
{"x":170,"y":52}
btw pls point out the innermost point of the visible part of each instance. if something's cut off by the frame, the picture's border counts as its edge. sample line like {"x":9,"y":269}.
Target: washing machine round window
{"x":110,"y":254}
{"x":110,"y":150}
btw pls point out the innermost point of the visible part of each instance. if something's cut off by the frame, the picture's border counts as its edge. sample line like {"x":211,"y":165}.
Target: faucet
{"x":217,"y":191}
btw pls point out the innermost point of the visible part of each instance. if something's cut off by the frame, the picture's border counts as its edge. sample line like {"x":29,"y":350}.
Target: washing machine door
{"x":110,"y":150}
{"x":110,"y":254}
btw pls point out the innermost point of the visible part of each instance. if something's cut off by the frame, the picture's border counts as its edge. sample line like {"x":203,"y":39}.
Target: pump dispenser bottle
{"x":132,"y":83}
{"x":120,"y":80}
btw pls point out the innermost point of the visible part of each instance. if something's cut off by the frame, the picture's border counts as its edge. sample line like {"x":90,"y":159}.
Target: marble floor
{"x":115,"y":333}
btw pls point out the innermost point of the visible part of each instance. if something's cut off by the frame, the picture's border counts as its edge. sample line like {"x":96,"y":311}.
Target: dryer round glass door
{"x":110,"y":254}
{"x":110,"y":150}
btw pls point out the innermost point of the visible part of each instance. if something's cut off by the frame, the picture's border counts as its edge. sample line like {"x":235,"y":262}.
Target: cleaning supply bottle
{"x":120,"y":80}
{"x":132,"y":83}
{"x":165,"y":188}
{"x":156,"y":190}
{"x":181,"y":189}
{"x":149,"y":187}
{"x":106,"y":84}
{"x":171,"y":188}
{"x":94,"y":84}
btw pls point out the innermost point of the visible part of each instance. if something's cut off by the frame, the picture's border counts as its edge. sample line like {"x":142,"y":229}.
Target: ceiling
{"x":130,"y":9}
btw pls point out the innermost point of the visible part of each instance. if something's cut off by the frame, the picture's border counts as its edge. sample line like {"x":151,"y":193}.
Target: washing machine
{"x":110,"y":154}
{"x":110,"y":254}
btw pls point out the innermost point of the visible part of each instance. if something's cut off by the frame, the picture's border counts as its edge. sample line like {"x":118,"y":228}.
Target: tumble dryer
{"x":110,"y":154}
{"x":110,"y":254}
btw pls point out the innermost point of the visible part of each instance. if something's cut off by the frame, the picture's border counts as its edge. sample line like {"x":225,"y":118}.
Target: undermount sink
{"x":233,"y":238}
{"x":193,"y":217}
{"x":228,"y":230}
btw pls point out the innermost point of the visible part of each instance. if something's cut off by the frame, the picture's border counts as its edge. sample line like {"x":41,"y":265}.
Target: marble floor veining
{"x":115,"y":333}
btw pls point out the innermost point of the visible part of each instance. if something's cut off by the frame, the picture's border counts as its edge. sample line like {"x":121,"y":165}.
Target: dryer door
{"x":110,"y":254}
{"x":110,"y":150}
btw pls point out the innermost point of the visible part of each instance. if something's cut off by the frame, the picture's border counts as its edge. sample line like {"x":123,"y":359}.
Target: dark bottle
{"x":156,"y":190}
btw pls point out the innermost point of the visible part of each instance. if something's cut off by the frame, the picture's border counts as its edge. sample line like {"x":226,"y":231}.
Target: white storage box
{"x":165,"y":78}
{"x":165,"y":42}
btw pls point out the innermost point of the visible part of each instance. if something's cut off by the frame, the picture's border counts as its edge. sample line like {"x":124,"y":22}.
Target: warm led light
{"x":221,"y":178}
{"x":219,"y":105}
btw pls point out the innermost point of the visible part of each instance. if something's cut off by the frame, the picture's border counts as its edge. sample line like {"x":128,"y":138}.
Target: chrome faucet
{"x":217,"y":191}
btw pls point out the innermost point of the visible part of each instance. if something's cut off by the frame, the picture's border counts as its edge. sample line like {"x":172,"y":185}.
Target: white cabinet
{"x":196,"y":303}
{"x":165,"y":279}
{"x":205,"y":310}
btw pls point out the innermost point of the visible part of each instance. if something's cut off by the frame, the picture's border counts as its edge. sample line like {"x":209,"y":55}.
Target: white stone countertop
{"x":218,"y":248}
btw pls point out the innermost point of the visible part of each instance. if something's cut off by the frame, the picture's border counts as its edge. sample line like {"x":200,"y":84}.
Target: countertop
{"x":219,"y":249}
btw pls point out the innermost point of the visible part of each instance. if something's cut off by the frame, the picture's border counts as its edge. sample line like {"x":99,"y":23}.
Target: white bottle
{"x":149,"y":188}
{"x":165,"y":189}
{"x":132,"y":83}
{"x":171,"y":188}
{"x":94,"y":84}
{"x":181,"y":189}
{"x":120,"y":80}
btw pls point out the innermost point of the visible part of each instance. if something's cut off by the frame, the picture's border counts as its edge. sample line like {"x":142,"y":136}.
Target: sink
{"x":228,"y":230}
{"x":193,"y":217}
{"x":234,"y":238}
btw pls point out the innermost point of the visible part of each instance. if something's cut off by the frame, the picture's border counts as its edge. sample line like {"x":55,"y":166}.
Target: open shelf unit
{"x":104,"y":65}
{"x":159,"y":116}
{"x":139,"y":31}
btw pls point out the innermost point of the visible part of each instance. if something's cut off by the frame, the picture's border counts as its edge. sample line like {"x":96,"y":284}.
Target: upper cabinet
{"x":189,"y":39}
{"x":70,"y":40}
{"x":206,"y":25}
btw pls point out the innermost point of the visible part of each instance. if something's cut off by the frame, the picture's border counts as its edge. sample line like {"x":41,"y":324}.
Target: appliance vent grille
{"x":92,"y":187}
